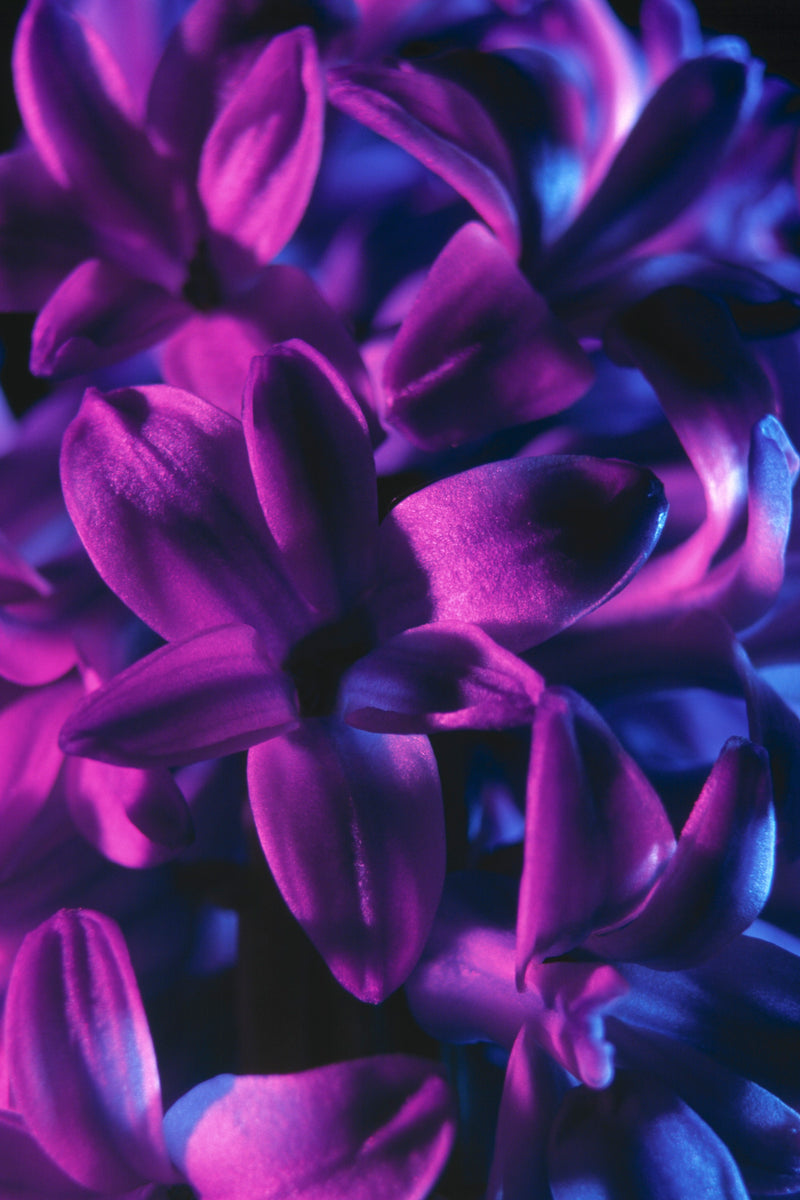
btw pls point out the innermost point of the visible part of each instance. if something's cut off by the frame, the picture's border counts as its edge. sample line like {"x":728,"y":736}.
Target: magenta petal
{"x":531,"y":1096}
{"x":443,"y":676}
{"x":73,"y":99}
{"x":596,"y":834}
{"x":479,"y":351}
{"x":99,"y":315}
{"x":312,"y":464}
{"x":373,"y":1127}
{"x":30,"y":758}
{"x":353,"y":830}
{"x":443,"y":126}
{"x":41,"y":236}
{"x":168,"y":473}
{"x":32,"y":655}
{"x":73,"y":1007}
{"x":720,"y":876}
{"x":25,"y":1170}
{"x":521,"y":548}
{"x":135,"y":818}
{"x":214,"y":693}
{"x":260,"y":158}
{"x":666,"y":161}
{"x":211,"y":353}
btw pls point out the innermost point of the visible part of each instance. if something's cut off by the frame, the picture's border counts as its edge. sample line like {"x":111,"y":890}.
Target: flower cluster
{"x":420,"y":419}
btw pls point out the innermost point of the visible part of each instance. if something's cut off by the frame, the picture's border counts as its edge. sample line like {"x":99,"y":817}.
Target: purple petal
{"x":260,"y":158}
{"x":667,"y":160}
{"x":19,"y":581}
{"x":212,"y":694}
{"x":73,"y":1007}
{"x":479,"y":351}
{"x":25,"y":1170}
{"x":73,"y":98}
{"x":41,"y":236}
{"x":211,"y":354}
{"x":30,"y":760}
{"x":530,"y":1100}
{"x":720,"y":876}
{"x":670,"y":33}
{"x":312,"y":463}
{"x":378,"y":1126}
{"x":443,"y":126}
{"x":637,"y":1140}
{"x":443,"y":676}
{"x":100,"y":315}
{"x":463,"y":991}
{"x":168,"y":473}
{"x":521,"y":548}
{"x":361,"y":861}
{"x":132,"y":817}
{"x":596,"y":833}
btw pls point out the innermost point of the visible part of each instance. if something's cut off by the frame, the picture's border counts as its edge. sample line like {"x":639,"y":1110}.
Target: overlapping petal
{"x":160,"y":490}
{"x":260,"y":158}
{"x":372,"y":1127}
{"x":521,"y":548}
{"x":352,"y":827}
{"x":73,"y":1000}
{"x":441,"y":676}
{"x":312,"y":464}
{"x":443,"y":126}
{"x":719,"y":878}
{"x":596,"y":834}
{"x":479,"y":350}
{"x":210,"y":694}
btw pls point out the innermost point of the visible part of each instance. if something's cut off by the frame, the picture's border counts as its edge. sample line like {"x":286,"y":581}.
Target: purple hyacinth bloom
{"x":292,"y":616}
{"x":136,"y":230}
{"x":86,"y":1114}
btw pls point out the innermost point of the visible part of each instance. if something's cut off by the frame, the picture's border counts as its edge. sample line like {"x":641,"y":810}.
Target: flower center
{"x":318,"y":661}
{"x":201,"y":288}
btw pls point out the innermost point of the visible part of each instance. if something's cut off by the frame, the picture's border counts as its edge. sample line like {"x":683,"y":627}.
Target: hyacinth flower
{"x":687,"y":1077}
{"x":254,"y":549}
{"x":85,"y":1114}
{"x":123,"y":226}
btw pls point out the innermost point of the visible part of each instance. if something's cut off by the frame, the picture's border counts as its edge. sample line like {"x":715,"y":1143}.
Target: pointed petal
{"x":352,"y":827}
{"x":72,"y":99}
{"x":100,"y":315}
{"x":378,"y":1126}
{"x":73,"y":1001}
{"x":720,"y":876}
{"x":132,"y":817}
{"x":521,"y":548}
{"x":312,"y":464}
{"x":479,"y":351}
{"x":169,"y":474}
{"x":41,"y":236}
{"x":32,"y":655}
{"x":666,"y":161}
{"x":443,"y":126}
{"x":596,"y":833}
{"x":260,"y":158}
{"x":214,"y":693}
{"x":531,"y":1095}
{"x":443,"y":676}
{"x":639,"y":1140}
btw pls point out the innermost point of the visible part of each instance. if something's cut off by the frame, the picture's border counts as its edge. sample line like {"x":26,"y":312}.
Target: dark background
{"x":771,"y":27}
